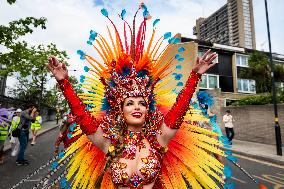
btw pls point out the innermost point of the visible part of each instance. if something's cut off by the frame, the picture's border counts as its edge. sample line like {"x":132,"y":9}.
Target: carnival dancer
{"x":67,"y":129}
{"x":127,"y":147}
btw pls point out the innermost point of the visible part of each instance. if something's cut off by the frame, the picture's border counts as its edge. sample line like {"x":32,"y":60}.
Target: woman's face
{"x":134,"y":111}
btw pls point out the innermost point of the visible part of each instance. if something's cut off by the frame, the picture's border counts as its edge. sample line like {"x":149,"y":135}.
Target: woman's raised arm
{"x":87,"y":122}
{"x":174,"y":117}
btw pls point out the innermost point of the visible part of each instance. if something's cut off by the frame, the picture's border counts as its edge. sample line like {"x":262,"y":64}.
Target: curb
{"x":258,"y":157}
{"x":30,"y":138}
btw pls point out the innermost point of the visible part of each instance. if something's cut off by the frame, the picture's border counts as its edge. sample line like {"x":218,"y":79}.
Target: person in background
{"x":229,"y":127}
{"x":35,"y":126}
{"x":65,"y":128}
{"x":15,"y":144}
{"x":27,"y":116}
{"x":4,"y":126}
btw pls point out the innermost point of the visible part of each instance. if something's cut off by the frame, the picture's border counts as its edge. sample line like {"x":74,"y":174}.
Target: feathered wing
{"x":86,"y":165}
{"x":189,"y":159}
{"x":190,"y":156}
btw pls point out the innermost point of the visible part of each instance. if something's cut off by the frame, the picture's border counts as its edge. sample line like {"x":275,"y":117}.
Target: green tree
{"x":27,"y":62}
{"x":258,"y":70}
{"x":11,"y":1}
{"x":34,"y":84}
{"x":18,"y":54}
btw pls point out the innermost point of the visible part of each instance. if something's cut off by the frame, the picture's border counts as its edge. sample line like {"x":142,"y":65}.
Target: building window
{"x":201,"y":53}
{"x":242,"y":60}
{"x":246,"y":86}
{"x":279,"y":85}
{"x":209,"y":81}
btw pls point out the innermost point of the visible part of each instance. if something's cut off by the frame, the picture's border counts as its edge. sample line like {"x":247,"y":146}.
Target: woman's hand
{"x":58,"y":69}
{"x":204,"y":63}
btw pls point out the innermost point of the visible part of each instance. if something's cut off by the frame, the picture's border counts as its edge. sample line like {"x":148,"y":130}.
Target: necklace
{"x":132,"y":141}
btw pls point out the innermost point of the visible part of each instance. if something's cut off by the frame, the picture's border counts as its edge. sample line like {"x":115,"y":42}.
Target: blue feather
{"x":228,"y":152}
{"x":227,"y":171}
{"x":105,"y":105}
{"x":179,"y":84}
{"x":177,"y":40}
{"x":181,"y":59}
{"x":142,"y":73}
{"x":92,"y":37}
{"x":178,"y":66}
{"x":122,"y":14}
{"x":205,"y":98}
{"x":156,"y":21}
{"x":167,"y":35}
{"x":175,"y":91}
{"x":178,"y":76}
{"x":152,"y":103}
{"x":82,"y":54}
{"x":69,"y":135}
{"x":125,"y":71}
{"x":104,"y":12}
{"x":63,"y":183}
{"x":177,"y":56}
{"x":61,"y":155}
{"x":54,"y":165}
{"x":232,"y":158}
{"x":86,"y":68}
{"x":112,"y":83}
{"x":181,"y":49}
{"x":146,"y":13}
{"x":143,"y":6}
{"x":82,"y":78}
{"x":171,"y":40}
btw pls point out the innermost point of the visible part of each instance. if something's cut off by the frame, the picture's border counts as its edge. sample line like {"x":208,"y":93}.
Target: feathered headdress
{"x":128,"y":67}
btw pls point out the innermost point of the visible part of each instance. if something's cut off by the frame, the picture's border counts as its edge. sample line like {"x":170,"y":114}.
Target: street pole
{"x":277,"y":126}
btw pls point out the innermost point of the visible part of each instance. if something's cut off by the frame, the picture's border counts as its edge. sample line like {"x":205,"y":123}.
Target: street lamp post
{"x":277,"y":126}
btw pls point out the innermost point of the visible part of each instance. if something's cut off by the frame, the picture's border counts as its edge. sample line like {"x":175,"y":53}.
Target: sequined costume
{"x":133,"y":140}
{"x":130,"y":68}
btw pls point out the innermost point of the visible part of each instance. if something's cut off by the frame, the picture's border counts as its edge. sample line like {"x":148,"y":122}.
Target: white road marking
{"x":33,"y":180}
{"x":259,"y":161}
{"x":234,"y":178}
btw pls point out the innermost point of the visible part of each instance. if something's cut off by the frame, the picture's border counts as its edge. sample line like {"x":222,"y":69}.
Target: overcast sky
{"x":69,"y":21}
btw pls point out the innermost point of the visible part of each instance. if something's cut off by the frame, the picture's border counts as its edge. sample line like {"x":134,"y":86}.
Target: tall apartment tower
{"x":232,"y":24}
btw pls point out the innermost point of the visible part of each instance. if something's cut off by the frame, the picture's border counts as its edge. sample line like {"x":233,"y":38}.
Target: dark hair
{"x":30,"y":106}
{"x":228,"y":111}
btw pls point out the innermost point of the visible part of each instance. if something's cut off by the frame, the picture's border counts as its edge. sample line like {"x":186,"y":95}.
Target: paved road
{"x":270,"y":174}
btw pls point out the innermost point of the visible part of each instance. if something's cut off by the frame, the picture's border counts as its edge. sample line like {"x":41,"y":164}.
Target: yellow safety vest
{"x":3,"y":132}
{"x":15,"y":124}
{"x":36,"y":123}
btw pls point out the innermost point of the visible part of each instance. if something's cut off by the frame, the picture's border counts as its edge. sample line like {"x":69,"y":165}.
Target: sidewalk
{"x":46,"y":126}
{"x":258,"y":151}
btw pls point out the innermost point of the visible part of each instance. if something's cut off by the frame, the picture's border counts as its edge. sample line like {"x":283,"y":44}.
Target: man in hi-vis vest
{"x":15,"y":144}
{"x":4,"y":126}
{"x":36,"y":126}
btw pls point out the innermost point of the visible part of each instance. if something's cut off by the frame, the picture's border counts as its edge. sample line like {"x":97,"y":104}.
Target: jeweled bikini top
{"x":150,"y":165}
